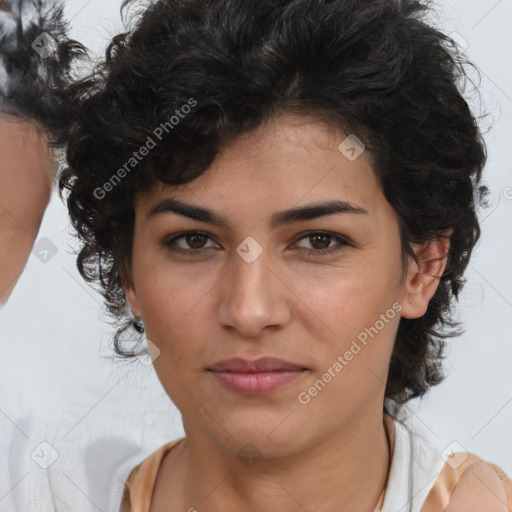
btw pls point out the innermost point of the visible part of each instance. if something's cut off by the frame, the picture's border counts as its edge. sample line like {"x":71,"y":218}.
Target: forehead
{"x":20,"y":133}
{"x":24,"y":147}
{"x":286,"y":160}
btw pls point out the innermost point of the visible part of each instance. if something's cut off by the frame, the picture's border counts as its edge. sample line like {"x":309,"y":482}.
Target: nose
{"x":253,"y":296}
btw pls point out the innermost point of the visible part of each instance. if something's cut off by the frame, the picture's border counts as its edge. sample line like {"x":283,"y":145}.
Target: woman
{"x":35,"y":63}
{"x":284,"y":194}
{"x":36,"y":56}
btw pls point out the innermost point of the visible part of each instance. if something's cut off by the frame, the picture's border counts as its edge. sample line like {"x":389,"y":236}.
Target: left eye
{"x":323,"y":238}
{"x":196,"y":242}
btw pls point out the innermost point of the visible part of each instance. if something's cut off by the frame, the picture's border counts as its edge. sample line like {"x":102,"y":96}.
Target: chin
{"x":267,"y":437}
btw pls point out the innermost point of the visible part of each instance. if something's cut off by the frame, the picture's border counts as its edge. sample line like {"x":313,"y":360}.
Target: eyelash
{"x":343,"y":242}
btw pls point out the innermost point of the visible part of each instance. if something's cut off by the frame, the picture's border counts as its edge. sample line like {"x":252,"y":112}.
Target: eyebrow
{"x":281,"y":218}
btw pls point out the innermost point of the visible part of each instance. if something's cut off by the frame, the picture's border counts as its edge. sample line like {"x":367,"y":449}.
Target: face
{"x":314,"y":289}
{"x":26,"y":172}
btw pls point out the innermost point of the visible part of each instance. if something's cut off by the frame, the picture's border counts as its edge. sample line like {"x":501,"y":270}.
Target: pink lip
{"x":255,"y":377}
{"x":262,"y":364}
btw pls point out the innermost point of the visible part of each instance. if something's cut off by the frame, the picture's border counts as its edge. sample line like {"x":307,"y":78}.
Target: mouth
{"x":256,"y":377}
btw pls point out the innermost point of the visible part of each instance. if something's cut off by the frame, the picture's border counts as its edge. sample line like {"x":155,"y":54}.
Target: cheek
{"x":350,"y":299}
{"x":173,"y":305}
{"x":165,"y":292}
{"x":353,"y":357}
{"x":359,"y":315}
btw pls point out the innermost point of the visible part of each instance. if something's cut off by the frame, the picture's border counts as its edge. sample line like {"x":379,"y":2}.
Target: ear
{"x":130,"y":291}
{"x":423,"y":277}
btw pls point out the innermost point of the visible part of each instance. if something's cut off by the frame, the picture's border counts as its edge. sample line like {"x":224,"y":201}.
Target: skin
{"x":479,"y":489}
{"x":26,"y":171}
{"x":332,"y":453}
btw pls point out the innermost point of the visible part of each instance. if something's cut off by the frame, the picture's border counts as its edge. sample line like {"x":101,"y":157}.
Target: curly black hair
{"x":373,"y":68}
{"x":36,"y":59}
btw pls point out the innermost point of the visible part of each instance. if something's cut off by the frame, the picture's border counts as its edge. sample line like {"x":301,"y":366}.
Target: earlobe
{"x":131,"y":297}
{"x":423,"y":277}
{"x":131,"y":294}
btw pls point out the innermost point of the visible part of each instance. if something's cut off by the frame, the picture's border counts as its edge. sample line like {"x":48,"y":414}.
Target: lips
{"x":256,"y":377}
{"x":263,"y":364}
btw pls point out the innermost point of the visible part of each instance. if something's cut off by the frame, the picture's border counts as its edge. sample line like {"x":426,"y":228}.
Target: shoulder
{"x":480,"y":488}
{"x":139,"y":484}
{"x":470,"y":484}
{"x":125,"y":502}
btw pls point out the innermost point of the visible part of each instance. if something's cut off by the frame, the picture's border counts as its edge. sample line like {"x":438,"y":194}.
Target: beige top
{"x":140,"y":483}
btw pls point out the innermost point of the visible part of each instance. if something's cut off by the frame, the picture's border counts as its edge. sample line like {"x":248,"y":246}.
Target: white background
{"x":59,"y":382}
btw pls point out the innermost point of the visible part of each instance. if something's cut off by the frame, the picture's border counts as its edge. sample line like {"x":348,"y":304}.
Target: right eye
{"x":193,"y":239}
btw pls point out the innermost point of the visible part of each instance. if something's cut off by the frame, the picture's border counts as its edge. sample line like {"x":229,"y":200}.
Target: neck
{"x":346,"y":471}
